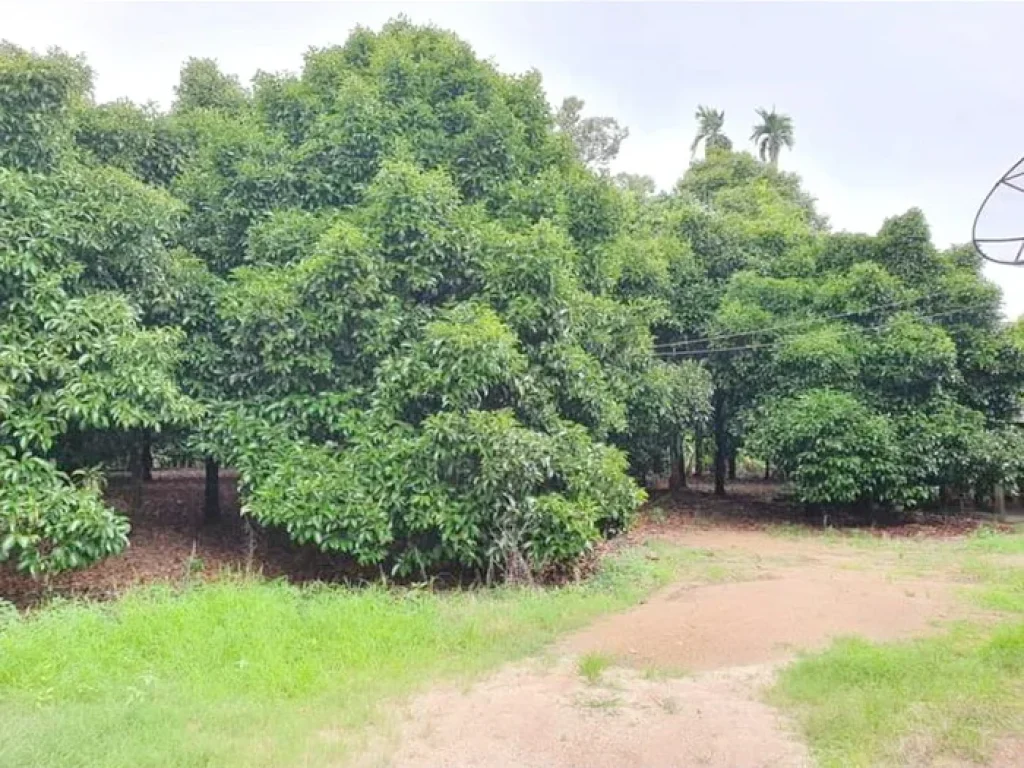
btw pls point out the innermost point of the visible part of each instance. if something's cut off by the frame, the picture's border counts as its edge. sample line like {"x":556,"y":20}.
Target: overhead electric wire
{"x":795,"y":323}
{"x":674,"y":354}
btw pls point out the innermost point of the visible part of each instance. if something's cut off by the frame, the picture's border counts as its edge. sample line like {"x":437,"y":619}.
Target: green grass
{"x":250,"y":673}
{"x":592,"y":665}
{"x":993,"y":542}
{"x":858,"y":702}
{"x":985,"y":539}
{"x":864,"y":704}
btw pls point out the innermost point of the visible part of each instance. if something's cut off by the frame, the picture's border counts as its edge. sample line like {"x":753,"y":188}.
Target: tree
{"x":637,"y":184}
{"x":709,"y":130}
{"x":833,"y":448}
{"x":138,"y":140}
{"x":597,"y":139}
{"x":77,"y":365}
{"x":203,"y":86}
{"x":390,"y":292}
{"x":774,"y":132}
{"x":414,"y":354}
{"x":880,"y":330}
{"x":737,"y":217}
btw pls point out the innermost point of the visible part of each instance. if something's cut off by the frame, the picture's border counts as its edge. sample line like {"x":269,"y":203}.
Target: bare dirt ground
{"x":533,"y":716}
{"x":801,"y":606}
{"x":688,"y":667}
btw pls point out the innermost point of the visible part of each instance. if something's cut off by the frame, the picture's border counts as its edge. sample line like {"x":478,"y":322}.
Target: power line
{"x":684,"y":353}
{"x":794,"y":324}
{"x":781,"y":342}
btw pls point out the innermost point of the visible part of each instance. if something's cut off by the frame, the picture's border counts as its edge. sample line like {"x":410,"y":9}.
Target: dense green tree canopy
{"x":389,"y":290}
{"x":82,"y":255}
{"x":413,"y":349}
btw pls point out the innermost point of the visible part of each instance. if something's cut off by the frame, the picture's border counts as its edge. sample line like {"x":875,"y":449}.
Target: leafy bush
{"x":833,"y":447}
{"x":476,"y":490}
{"x":48,"y":523}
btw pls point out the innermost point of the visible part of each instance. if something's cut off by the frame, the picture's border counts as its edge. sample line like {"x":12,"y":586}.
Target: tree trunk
{"x":732,"y":464}
{"x":999,"y":502}
{"x":211,"y":501}
{"x":721,"y":446}
{"x":137,"y":472}
{"x":147,"y":456}
{"x":767,"y":470}
{"x":677,"y":478}
{"x":698,"y":453}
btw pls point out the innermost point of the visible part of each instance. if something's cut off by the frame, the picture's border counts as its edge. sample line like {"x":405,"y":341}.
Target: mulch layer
{"x":170,"y":543}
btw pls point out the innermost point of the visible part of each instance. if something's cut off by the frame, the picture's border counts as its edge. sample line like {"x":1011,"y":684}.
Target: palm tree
{"x":774,"y":132}
{"x":709,"y":130}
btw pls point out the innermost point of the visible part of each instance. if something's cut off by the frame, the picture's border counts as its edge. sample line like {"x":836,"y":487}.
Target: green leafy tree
{"x":138,"y":140}
{"x":637,"y":184}
{"x":832,"y":446}
{"x":597,"y":140}
{"x":82,"y":248}
{"x":203,"y":86}
{"x":898,"y":328}
{"x":416,"y":353}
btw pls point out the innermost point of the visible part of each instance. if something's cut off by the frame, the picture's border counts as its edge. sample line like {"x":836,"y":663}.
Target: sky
{"x":894,"y":105}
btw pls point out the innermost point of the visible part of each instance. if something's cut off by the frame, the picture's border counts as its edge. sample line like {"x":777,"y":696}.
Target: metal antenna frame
{"x":1014,"y":179}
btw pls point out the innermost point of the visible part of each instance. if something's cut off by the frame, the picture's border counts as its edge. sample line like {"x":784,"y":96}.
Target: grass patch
{"x":592,"y":665}
{"x":992,"y":541}
{"x":248,"y":673}
{"x":864,"y":704}
{"x":859,"y":702}
{"x":1004,"y":590}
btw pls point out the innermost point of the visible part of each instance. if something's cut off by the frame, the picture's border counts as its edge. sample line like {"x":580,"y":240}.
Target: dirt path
{"x":688,"y":669}
{"x":528,"y":716}
{"x":791,"y":608}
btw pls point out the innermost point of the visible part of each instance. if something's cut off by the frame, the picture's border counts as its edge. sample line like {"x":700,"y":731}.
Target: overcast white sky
{"x":894,"y":105}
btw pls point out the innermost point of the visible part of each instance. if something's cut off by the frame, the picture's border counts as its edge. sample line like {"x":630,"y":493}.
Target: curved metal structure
{"x":1002,"y":250}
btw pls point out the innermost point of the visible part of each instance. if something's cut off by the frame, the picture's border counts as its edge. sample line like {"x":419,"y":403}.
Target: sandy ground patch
{"x":727,"y":639}
{"x":791,"y":608}
{"x":526,"y":717}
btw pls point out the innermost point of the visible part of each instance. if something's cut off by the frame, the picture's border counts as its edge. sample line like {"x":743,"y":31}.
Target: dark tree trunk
{"x":767,"y":470}
{"x":721,"y":445}
{"x":211,"y":501}
{"x":698,"y":453}
{"x":677,"y":478}
{"x":147,"y":456}
{"x":137,"y":472}
{"x":732,"y":464}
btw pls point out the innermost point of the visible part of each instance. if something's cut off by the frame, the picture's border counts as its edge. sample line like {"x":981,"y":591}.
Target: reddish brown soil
{"x":754,"y":505}
{"x":168,"y":539}
{"x":786,"y":608}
